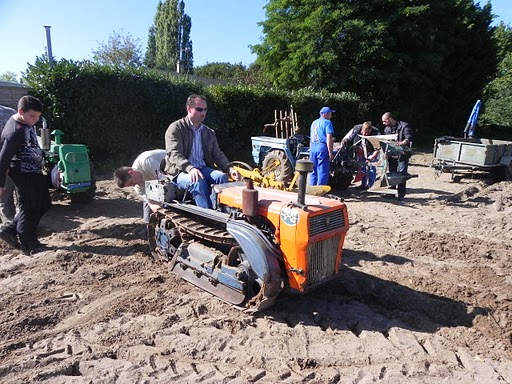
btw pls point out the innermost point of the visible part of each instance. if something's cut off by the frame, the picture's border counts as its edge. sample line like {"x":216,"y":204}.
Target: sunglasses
{"x":199,"y":109}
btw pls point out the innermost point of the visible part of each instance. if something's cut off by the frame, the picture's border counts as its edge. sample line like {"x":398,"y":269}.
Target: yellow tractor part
{"x":266,"y":179}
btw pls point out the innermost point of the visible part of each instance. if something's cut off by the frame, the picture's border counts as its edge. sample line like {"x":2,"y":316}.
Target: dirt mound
{"x":424,"y":296}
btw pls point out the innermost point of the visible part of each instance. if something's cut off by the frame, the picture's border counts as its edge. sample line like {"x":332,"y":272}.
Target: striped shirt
{"x":196,"y":157}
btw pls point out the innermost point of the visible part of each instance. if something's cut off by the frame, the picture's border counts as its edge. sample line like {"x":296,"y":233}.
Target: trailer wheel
{"x":276,"y":163}
{"x":504,"y":173}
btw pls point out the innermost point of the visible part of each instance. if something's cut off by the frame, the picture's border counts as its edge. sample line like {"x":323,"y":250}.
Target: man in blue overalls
{"x":321,"y":147}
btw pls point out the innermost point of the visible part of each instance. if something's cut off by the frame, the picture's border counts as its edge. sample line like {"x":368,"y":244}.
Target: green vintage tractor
{"x":68,"y":166}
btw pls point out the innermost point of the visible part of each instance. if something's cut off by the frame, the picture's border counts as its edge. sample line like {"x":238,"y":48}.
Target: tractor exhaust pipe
{"x":303,"y":167}
{"x":249,"y":199}
{"x":45,"y":135}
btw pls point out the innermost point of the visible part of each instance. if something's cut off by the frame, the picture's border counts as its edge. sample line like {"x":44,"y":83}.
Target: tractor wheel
{"x":82,"y":197}
{"x":88,"y":195}
{"x":340,"y":179}
{"x":241,"y":164}
{"x":276,"y":163}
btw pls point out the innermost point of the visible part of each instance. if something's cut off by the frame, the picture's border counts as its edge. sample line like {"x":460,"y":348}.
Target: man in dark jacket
{"x":193,"y":153}
{"x":21,"y":156}
{"x":404,"y":138}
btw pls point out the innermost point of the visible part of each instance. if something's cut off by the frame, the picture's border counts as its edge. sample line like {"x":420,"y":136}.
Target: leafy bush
{"x":119,"y":113}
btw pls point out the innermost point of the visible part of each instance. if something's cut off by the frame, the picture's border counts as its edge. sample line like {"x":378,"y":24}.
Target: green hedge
{"x":119,"y":113}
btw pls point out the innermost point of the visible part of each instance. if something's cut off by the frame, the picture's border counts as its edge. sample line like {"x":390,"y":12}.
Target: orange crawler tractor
{"x":255,"y":244}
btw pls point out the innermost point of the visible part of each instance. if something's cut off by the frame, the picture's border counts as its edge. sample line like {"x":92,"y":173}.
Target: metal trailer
{"x":456,"y":155}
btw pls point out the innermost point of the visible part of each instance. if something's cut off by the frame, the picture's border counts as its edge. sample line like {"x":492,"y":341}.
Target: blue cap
{"x":326,"y":110}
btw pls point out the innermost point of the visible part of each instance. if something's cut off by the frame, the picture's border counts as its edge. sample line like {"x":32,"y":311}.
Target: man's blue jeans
{"x":201,"y":191}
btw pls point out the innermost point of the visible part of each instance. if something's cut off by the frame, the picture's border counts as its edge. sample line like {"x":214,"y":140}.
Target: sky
{"x":222,"y":30}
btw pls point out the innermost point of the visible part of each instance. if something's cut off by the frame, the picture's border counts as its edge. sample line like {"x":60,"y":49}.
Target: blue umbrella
{"x":469,"y":131}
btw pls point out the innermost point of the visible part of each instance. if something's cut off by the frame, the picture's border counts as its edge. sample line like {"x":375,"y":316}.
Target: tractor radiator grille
{"x":326,"y":222}
{"x":322,"y":259}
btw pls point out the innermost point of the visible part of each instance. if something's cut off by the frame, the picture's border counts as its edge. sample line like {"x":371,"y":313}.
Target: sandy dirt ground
{"x":425,"y":296}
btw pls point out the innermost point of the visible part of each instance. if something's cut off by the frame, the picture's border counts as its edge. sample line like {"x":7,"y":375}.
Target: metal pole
{"x":49,"y":44}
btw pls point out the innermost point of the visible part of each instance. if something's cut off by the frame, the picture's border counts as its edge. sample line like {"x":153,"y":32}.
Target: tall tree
{"x":185,"y":44}
{"x":425,"y":60}
{"x":120,"y":50}
{"x":498,"y":96}
{"x":497,"y":100}
{"x":503,"y":38}
{"x":150,"y":57}
{"x":169,"y":37}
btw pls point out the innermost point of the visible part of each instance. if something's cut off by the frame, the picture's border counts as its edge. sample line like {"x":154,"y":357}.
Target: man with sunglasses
{"x":193,"y":153}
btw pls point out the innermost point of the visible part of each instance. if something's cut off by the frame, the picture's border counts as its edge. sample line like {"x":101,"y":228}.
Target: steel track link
{"x":200,"y":223}
{"x":195,"y":228}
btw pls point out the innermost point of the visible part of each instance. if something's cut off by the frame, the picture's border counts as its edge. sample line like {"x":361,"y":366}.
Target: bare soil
{"x":425,"y":296}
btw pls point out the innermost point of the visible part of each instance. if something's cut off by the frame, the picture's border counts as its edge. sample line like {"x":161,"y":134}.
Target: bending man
{"x":145,"y":167}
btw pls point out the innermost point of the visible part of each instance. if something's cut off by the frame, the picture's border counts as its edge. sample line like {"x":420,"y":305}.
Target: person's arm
{"x":374,"y":155}
{"x":376,"y":150}
{"x":348,"y":137}
{"x":219,"y":158}
{"x":11,"y":143}
{"x":330,"y":145}
{"x":175,"y":146}
{"x":222,"y":161}
{"x":407,"y":135}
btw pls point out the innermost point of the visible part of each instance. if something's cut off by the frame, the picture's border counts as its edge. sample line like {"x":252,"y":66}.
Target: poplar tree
{"x":169,"y":37}
{"x":150,"y":57}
